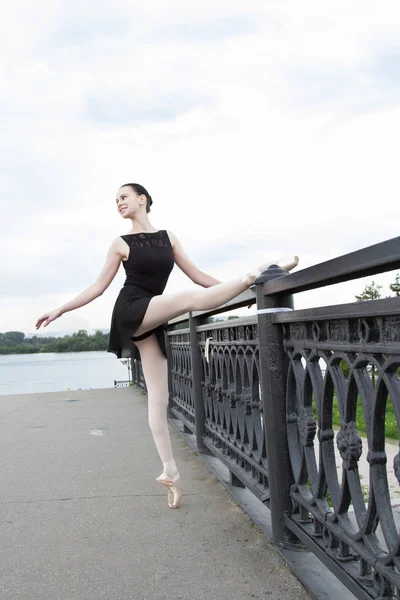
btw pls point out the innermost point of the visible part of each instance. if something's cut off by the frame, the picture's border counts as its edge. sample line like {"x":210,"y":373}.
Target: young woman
{"x":142,"y":311}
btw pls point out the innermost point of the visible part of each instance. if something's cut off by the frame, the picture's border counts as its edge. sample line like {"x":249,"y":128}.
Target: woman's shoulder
{"x":172,"y":237}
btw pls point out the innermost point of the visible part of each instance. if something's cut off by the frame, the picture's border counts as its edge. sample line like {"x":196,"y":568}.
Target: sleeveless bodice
{"x":150,"y":260}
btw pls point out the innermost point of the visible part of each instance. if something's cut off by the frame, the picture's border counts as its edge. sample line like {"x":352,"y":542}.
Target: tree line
{"x":372,"y":291}
{"x":15,"y":342}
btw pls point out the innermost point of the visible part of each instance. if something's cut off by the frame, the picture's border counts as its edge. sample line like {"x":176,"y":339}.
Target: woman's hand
{"x":48,"y":317}
{"x":115,"y":254}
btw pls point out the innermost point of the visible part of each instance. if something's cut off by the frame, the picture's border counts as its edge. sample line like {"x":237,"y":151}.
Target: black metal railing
{"x":261,"y":392}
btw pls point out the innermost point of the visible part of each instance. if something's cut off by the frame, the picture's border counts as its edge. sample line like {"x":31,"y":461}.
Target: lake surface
{"x":54,"y":372}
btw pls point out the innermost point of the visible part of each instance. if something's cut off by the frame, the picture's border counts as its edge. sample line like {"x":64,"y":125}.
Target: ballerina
{"x":141,"y":311}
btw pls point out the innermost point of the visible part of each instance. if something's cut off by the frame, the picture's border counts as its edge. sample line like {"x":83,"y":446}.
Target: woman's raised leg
{"x":168,"y":306}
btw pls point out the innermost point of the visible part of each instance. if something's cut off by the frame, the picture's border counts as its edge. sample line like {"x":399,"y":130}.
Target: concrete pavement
{"x":82,"y":516}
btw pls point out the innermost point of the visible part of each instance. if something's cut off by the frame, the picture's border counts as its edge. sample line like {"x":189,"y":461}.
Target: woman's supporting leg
{"x":154,"y":365}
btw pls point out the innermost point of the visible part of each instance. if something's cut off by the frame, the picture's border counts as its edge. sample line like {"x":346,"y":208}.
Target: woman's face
{"x":128,"y":202}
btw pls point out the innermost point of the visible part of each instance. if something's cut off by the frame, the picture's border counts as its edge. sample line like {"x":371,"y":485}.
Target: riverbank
{"x":52,"y":372}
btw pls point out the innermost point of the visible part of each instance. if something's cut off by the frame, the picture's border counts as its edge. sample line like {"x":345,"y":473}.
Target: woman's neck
{"x":142,"y":225}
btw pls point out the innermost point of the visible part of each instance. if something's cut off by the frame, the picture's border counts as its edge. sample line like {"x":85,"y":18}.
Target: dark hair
{"x":139,"y":189}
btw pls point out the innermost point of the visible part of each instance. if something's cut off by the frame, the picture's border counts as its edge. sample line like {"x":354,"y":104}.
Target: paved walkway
{"x":83,"y":518}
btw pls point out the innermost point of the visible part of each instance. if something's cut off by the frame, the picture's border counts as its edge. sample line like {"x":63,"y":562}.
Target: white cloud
{"x":258,"y":130}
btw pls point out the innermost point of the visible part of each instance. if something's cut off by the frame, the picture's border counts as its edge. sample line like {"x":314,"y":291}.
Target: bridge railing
{"x":279,"y":397}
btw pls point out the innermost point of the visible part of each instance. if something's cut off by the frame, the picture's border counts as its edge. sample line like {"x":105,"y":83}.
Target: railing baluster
{"x":273,"y":371}
{"x":196,"y":379}
{"x":170,"y":367}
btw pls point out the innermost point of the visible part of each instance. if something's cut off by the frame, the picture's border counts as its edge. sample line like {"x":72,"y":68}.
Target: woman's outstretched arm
{"x":188,"y":267}
{"x":107,"y":274}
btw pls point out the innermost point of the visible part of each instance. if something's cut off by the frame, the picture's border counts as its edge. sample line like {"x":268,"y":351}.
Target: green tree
{"x":395,"y":287}
{"x":213,"y":320}
{"x":370,"y":292}
{"x":13,"y":337}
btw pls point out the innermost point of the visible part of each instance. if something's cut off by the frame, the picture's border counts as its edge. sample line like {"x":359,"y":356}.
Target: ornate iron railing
{"x":260,"y":393}
{"x":321,"y":515}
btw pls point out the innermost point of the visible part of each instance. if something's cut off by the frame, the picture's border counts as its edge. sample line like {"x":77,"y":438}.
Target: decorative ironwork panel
{"x":137,"y":375}
{"x":181,"y":372}
{"x":234,"y":426}
{"x":342,"y":395}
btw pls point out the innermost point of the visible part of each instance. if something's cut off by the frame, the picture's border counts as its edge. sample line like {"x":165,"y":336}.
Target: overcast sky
{"x":259,"y":128}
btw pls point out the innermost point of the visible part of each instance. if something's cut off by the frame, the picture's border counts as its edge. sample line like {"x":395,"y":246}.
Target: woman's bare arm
{"x":188,"y":267}
{"x":107,"y":274}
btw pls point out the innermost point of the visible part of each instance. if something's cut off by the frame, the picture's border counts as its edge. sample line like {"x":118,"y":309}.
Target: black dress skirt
{"x":147,"y":268}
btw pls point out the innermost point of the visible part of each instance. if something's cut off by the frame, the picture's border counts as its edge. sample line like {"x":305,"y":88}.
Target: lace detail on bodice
{"x":150,"y":260}
{"x":149,"y":239}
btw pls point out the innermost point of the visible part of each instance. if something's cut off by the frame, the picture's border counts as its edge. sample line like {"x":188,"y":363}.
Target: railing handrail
{"x":372,"y":260}
{"x":379,"y":258}
{"x":249,"y":320}
{"x":367,"y":308}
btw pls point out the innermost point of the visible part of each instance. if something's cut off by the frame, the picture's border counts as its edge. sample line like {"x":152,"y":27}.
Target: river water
{"x":54,"y":372}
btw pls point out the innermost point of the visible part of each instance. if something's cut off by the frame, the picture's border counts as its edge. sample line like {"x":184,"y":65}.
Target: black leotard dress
{"x":147,"y":268}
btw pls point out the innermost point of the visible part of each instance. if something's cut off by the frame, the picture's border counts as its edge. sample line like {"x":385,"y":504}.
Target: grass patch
{"x":391,"y":430}
{"x":328,"y":498}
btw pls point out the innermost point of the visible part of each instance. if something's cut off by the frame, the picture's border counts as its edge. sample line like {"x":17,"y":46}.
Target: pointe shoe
{"x":174,"y":491}
{"x":288,"y":263}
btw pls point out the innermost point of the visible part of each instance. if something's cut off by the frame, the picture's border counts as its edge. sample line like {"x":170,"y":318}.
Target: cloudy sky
{"x":259,"y":128}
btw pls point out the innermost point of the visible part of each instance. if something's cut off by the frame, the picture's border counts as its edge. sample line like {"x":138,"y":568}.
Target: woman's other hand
{"x":48,"y":317}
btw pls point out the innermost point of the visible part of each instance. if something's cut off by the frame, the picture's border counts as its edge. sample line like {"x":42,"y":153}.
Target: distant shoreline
{"x":48,"y":352}
{"x":15,"y":342}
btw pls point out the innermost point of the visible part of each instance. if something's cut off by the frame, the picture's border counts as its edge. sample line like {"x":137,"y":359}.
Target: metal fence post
{"x":169,"y":363}
{"x":273,"y":374}
{"x":137,"y":374}
{"x":133,"y":369}
{"x":199,"y":411}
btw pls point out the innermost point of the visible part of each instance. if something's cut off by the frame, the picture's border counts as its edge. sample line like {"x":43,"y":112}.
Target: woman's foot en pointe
{"x":171,"y":479}
{"x":173,"y":489}
{"x":288,"y":263}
